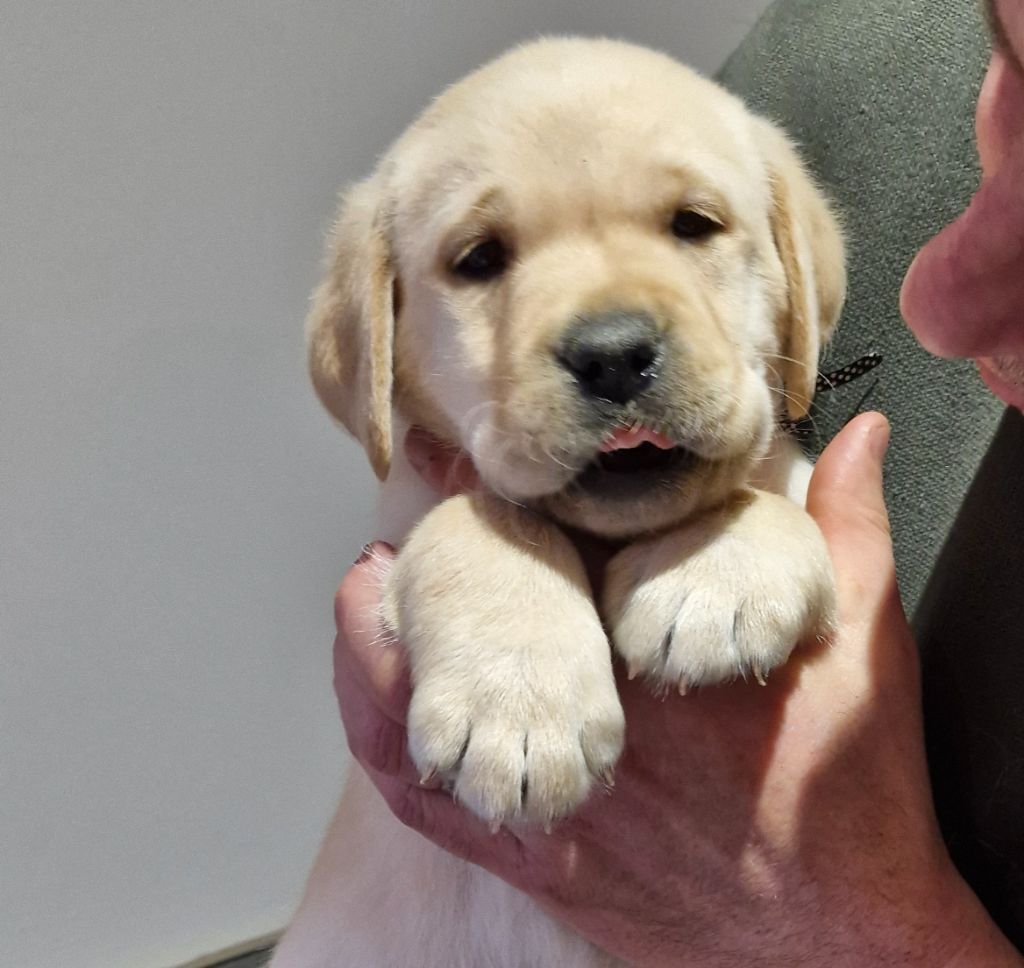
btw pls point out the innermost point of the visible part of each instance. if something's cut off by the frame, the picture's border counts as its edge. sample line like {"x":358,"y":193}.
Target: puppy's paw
{"x":514,"y":703}
{"x":519,"y":743}
{"x":728,"y":595}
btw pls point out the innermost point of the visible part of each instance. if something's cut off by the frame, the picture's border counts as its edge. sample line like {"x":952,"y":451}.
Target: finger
{"x":845,"y":496}
{"x":446,"y":469}
{"x":435,"y":815}
{"x":363,"y":645}
{"x":375,"y":739}
{"x":847,"y":500}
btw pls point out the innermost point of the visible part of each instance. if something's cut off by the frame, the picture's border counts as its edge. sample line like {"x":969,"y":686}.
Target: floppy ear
{"x":810,"y":247}
{"x":350,"y":329}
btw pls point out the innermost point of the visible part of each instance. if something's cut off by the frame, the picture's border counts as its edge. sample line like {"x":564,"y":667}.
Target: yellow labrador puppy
{"x":606,"y":280}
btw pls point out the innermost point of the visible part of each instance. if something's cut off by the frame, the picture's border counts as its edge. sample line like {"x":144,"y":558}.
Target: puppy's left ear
{"x":810,"y":247}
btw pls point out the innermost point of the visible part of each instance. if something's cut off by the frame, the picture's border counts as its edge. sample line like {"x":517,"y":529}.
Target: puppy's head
{"x":593,"y":270}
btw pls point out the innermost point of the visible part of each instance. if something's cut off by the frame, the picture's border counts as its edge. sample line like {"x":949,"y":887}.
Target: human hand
{"x":790,"y":824}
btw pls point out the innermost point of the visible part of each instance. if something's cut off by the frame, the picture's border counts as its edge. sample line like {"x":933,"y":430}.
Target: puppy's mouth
{"x":632,"y":460}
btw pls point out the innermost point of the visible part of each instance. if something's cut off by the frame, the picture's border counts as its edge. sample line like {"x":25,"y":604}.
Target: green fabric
{"x":880,"y":94}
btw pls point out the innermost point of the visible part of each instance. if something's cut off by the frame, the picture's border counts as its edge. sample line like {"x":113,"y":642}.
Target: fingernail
{"x":878,"y":441}
{"x":369,"y":551}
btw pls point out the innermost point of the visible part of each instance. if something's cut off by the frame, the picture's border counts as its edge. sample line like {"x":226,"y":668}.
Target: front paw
{"x":514,"y":703}
{"x":518,"y":744}
{"x":726,"y":596}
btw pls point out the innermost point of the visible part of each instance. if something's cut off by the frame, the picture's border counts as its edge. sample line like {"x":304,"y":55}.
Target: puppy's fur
{"x":573,"y":208}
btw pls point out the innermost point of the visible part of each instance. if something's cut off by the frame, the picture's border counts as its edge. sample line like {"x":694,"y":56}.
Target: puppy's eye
{"x":485,"y":261}
{"x":688,"y":224}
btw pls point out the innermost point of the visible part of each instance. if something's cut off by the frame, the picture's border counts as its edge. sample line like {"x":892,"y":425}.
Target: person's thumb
{"x":845,"y":498}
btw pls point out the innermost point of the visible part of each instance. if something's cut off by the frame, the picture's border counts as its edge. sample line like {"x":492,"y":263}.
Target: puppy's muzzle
{"x":613,"y":356}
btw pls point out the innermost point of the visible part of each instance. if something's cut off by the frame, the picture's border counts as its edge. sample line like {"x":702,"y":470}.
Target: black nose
{"x":614,"y":356}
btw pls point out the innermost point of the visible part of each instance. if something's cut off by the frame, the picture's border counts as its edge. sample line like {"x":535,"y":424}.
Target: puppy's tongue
{"x":627,"y":438}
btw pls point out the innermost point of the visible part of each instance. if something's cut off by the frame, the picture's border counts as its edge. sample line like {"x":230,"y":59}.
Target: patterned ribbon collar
{"x":832,"y":381}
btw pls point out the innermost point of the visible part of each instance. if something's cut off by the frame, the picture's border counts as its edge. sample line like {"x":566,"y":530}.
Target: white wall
{"x":174,"y":509}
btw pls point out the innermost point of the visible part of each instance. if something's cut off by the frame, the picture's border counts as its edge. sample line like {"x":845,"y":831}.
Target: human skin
{"x":786,"y":825}
{"x":790,"y":824}
{"x":964,"y":293}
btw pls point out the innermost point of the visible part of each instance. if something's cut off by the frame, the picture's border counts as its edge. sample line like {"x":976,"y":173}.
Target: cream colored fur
{"x":576,"y":155}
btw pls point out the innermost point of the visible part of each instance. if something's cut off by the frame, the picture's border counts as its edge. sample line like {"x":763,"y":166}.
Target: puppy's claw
{"x":547,"y":827}
{"x":759,"y":674}
{"x":494,"y":826}
{"x":632,"y":671}
{"x":684,"y":687}
{"x":428,"y":775}
{"x":608,"y":777}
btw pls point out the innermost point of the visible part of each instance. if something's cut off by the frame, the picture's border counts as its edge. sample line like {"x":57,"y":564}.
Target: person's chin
{"x":1004,"y":376}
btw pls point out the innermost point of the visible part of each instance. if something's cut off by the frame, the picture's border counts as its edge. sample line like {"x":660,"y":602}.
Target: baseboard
{"x":232,"y":957}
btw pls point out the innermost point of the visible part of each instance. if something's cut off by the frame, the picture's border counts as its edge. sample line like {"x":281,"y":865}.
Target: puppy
{"x":604,"y":279}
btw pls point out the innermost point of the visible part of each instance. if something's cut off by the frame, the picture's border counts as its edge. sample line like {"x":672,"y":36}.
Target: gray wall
{"x":175,"y":511}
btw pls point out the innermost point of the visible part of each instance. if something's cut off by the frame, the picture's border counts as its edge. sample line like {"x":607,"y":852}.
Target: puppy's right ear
{"x":809,"y":243}
{"x":350,"y":329}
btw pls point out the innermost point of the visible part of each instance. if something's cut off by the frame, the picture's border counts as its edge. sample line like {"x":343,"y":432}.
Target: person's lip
{"x":1008,"y":391}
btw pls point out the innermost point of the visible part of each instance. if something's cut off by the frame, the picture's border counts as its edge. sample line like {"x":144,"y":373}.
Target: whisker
{"x":547,"y":453}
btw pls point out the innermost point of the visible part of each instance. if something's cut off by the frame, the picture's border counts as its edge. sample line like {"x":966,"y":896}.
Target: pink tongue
{"x":626,"y":439}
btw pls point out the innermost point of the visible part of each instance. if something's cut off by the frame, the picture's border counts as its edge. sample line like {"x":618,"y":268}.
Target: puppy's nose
{"x":614,"y":356}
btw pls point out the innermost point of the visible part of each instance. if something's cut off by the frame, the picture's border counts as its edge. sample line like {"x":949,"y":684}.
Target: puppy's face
{"x":595,"y":272}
